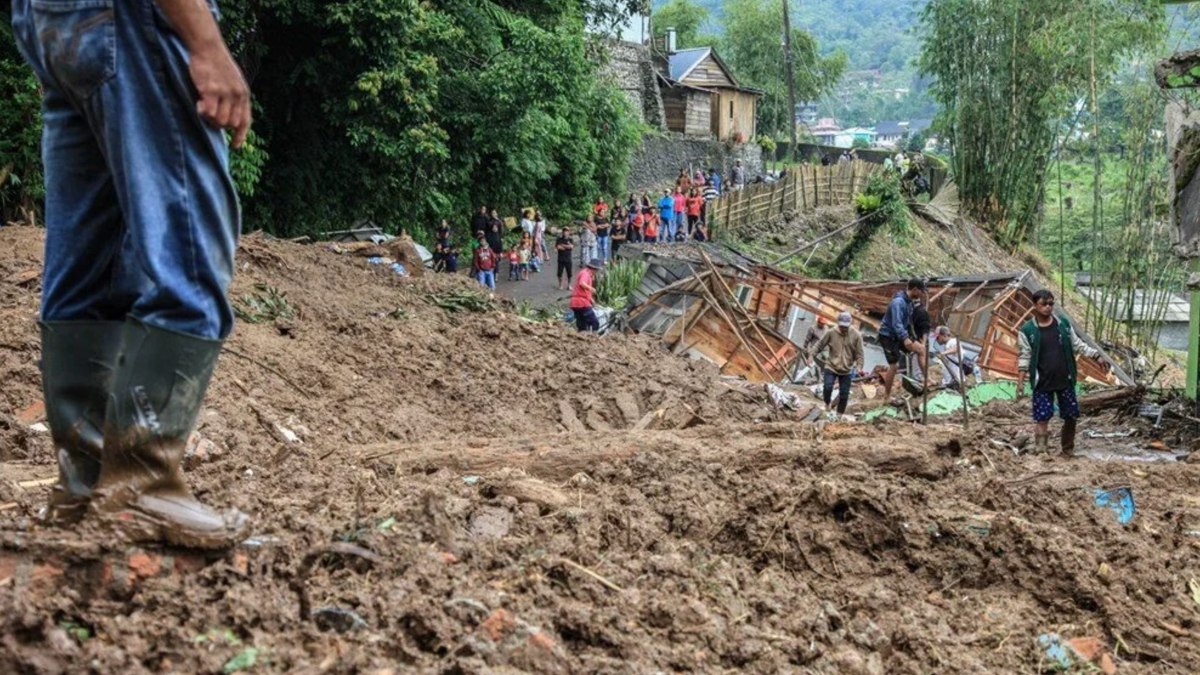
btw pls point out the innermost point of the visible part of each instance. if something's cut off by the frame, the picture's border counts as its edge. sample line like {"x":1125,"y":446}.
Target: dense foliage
{"x":20,"y":132}
{"x":404,"y":112}
{"x":1006,"y":72}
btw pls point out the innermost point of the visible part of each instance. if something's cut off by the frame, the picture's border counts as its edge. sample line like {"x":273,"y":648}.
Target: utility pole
{"x":791,"y":79}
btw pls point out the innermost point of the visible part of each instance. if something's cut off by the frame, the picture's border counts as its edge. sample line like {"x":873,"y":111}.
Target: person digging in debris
{"x":950,"y":350}
{"x":894,"y":335}
{"x":581,"y":297}
{"x":1048,"y":347}
{"x":844,"y":357}
{"x":142,"y":222}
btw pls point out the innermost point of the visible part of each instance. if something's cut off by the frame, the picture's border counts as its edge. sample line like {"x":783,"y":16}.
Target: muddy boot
{"x":1068,"y":437}
{"x":78,"y":360}
{"x":157,"y":394}
{"x":1041,"y":443}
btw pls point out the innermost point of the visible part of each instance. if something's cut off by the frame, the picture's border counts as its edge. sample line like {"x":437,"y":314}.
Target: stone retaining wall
{"x":656,"y":164}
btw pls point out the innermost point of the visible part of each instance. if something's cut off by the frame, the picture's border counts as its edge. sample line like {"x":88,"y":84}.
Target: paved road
{"x":541,"y":289}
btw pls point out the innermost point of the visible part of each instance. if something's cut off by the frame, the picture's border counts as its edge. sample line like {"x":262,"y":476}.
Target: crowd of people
{"x":680,"y":214}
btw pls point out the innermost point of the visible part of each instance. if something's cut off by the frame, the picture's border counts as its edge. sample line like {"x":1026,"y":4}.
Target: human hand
{"x":224,"y":95}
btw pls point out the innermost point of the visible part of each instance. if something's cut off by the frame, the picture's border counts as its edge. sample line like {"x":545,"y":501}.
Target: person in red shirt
{"x":581,"y":297}
{"x":601,"y":208}
{"x":636,"y":225}
{"x":651,"y":221}
{"x":694,"y":205}
{"x":680,"y":219}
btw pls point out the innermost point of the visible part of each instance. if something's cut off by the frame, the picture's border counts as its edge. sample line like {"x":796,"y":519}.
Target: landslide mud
{"x":471,"y":492}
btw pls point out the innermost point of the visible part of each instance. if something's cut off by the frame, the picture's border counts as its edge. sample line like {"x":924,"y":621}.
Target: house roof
{"x":684,"y":61}
{"x":681,"y":64}
{"x":1145,"y":306}
{"x":919,"y":125}
{"x":889,"y":128}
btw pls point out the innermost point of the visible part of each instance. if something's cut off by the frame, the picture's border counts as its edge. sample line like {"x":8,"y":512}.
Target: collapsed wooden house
{"x":750,"y":318}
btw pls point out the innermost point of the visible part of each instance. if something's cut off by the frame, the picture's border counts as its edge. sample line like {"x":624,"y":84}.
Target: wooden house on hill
{"x":701,"y":97}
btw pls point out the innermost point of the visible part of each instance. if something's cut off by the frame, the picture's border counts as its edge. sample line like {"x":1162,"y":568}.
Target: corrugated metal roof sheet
{"x":683,"y":61}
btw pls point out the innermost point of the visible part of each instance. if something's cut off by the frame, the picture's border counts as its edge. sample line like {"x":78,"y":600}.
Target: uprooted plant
{"x":266,"y":304}
{"x":461,"y":301}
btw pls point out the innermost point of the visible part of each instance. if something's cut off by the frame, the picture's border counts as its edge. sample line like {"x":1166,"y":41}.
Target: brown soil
{"x":519,"y":504}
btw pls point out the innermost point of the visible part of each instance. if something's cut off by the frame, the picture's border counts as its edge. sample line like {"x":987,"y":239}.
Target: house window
{"x":731,"y":110}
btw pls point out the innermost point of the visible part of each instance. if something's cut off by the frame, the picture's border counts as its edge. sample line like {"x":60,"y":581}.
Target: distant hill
{"x":875,"y":34}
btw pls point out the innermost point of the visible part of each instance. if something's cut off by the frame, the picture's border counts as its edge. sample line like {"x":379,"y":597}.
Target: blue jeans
{"x":142,"y":218}
{"x":678,"y":221}
{"x":843,"y":382}
{"x":487,"y":278}
{"x":604,"y":248}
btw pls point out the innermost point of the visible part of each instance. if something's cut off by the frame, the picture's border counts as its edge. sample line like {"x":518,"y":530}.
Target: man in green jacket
{"x":1048,"y":348}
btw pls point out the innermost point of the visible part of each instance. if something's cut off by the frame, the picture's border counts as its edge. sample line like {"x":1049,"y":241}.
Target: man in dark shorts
{"x":583,"y":297}
{"x":1048,"y":348}
{"x":894,"y":336}
{"x":565,"y":248}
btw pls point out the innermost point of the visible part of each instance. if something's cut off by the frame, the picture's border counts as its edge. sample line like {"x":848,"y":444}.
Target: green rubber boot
{"x":157,"y":395}
{"x":78,"y":361}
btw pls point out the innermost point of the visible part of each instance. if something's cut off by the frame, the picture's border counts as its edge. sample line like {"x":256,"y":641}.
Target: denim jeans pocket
{"x":78,"y":42}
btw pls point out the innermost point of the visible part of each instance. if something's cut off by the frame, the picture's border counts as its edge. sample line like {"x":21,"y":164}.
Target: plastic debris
{"x":470,"y":480}
{"x":1119,"y":501}
{"x":1112,"y":434}
{"x":1077,"y":651}
{"x":1194,"y":587}
{"x":1056,"y":650}
{"x":783,"y":398}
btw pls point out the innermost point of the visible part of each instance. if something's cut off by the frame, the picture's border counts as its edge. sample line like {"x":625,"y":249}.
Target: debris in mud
{"x":1119,"y":501}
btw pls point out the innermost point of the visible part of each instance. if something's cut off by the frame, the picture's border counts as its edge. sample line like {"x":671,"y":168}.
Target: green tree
{"x":687,"y":18}
{"x":753,"y":47}
{"x":399,"y":111}
{"x":917,"y":141}
{"x":20,"y":133}
{"x":404,"y":112}
{"x":1006,"y":71}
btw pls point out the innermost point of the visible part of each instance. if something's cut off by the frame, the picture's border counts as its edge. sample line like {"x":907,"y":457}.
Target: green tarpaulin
{"x":947,"y":402}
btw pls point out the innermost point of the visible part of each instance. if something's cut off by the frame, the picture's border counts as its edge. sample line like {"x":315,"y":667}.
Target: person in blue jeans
{"x":142,"y":222}
{"x":666,"y":210}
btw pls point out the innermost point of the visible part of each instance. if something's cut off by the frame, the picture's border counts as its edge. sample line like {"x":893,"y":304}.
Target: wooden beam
{"x":963,"y":303}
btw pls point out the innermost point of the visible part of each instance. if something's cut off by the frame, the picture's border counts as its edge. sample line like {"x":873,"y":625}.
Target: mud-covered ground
{"x":459,"y":491}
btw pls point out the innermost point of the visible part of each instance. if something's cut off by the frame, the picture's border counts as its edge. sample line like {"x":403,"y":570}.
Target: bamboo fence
{"x":805,"y":187}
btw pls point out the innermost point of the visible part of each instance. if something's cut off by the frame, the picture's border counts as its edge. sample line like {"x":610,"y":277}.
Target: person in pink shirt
{"x":680,"y":219}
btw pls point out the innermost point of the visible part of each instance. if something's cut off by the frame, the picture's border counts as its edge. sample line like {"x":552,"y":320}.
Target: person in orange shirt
{"x":636,"y":225}
{"x":694,"y":205}
{"x":652,"y":226}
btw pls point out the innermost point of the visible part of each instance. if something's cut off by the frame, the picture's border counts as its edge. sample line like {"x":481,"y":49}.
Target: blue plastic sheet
{"x":1119,"y":500}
